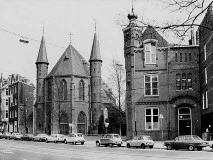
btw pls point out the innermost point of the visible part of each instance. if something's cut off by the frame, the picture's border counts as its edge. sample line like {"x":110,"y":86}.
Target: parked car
{"x":40,"y":137}
{"x":1,"y":135}
{"x":55,"y":138}
{"x":6,"y":135}
{"x":142,"y":141}
{"x":186,"y":142}
{"x":16,"y":136}
{"x":27,"y":137}
{"x":74,"y":138}
{"x":109,"y":140}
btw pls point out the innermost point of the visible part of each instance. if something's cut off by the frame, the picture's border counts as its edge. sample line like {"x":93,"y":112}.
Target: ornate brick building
{"x":162,"y":83}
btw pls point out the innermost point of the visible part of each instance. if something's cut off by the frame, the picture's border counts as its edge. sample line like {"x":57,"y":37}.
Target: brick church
{"x":72,"y":96}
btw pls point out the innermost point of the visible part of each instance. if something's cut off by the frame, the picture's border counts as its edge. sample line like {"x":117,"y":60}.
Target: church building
{"x":72,"y":96}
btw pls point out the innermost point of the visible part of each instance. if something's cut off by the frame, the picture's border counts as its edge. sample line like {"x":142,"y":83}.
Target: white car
{"x":142,"y":141}
{"x":74,"y":138}
{"x":17,"y":136}
{"x":55,"y":138}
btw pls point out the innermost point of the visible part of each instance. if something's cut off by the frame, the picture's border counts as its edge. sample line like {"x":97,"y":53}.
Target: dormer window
{"x":150,"y":48}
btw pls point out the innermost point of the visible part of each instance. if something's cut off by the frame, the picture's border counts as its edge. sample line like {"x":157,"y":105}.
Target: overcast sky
{"x":60,"y":17}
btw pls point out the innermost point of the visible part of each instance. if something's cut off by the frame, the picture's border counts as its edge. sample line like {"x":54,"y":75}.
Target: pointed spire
{"x":95,"y":53}
{"x":42,"y":54}
{"x":132,"y":16}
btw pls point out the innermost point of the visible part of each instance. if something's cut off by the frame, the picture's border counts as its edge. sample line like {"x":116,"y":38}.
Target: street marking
{"x":7,"y":151}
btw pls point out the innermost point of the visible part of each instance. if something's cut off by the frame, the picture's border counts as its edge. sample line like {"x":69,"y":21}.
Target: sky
{"x":59,"y":18}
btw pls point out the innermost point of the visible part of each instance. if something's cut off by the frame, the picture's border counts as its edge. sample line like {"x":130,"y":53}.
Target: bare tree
{"x":193,"y":10}
{"x":117,"y":83}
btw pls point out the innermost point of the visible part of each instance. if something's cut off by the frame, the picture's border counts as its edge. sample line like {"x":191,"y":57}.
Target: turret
{"x":42,"y":70}
{"x":95,"y":82}
{"x":132,"y":40}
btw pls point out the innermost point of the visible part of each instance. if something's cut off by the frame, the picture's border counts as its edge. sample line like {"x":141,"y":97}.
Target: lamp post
{"x":161,"y":120}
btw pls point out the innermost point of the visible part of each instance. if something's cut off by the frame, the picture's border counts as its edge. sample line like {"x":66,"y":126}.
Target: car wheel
{"x":82,"y":143}
{"x":40,"y":140}
{"x":46,"y":140}
{"x":169,"y":147}
{"x":199,"y":148}
{"x":119,"y":145}
{"x":65,"y":141}
{"x":128,"y":145}
{"x":150,"y":147}
{"x":143,"y":146}
{"x":98,"y":144}
{"x":191,"y":148}
{"x":110,"y":145}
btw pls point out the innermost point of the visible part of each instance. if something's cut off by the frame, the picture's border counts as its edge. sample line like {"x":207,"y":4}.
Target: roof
{"x":70,"y":63}
{"x":95,"y":53}
{"x":42,"y":54}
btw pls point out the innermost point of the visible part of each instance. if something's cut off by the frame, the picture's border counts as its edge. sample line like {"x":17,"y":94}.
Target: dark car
{"x":27,"y":137}
{"x":186,"y":142}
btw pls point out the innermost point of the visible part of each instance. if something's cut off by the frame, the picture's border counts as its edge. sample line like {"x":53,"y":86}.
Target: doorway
{"x":184,"y":121}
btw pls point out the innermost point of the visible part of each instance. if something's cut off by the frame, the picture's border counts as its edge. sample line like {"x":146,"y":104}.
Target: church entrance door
{"x":184,"y":121}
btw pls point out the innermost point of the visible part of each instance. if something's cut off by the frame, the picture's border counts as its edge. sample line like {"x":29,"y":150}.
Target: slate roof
{"x":70,"y":63}
{"x":42,"y":54}
{"x":95,"y":53}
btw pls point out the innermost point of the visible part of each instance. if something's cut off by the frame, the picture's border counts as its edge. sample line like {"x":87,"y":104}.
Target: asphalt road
{"x":24,"y":150}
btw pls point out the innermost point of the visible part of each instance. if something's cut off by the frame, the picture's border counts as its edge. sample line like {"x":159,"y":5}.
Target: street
{"x":28,"y":150}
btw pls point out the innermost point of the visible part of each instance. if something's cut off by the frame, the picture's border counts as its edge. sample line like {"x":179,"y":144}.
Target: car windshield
{"x":197,"y":138}
{"x":80,"y":135}
{"x":116,"y":136}
{"x":72,"y":135}
{"x":146,"y":138}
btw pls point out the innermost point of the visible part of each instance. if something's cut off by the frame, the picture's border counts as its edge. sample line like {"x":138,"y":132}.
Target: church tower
{"x":132,"y":40}
{"x":95,"y":82}
{"x":42,"y":70}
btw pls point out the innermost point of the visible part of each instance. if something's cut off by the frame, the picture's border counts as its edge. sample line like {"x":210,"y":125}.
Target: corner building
{"x":70,"y":98}
{"x":162,"y":83}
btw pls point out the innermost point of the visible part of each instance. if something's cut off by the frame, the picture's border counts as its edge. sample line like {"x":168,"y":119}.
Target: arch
{"x":63,"y":87}
{"x":81,"y":90}
{"x":81,"y":122}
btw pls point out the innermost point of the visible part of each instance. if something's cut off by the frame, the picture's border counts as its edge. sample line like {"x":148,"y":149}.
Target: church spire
{"x":95,"y":53}
{"x":42,"y":54}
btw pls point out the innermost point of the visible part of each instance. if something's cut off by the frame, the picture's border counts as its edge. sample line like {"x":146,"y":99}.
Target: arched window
{"x":178,"y":82}
{"x":81,"y":90}
{"x":63,"y":90}
{"x":49,"y":91}
{"x":181,"y":56}
{"x":183,"y":81}
{"x":186,"y":57}
{"x":189,"y":81}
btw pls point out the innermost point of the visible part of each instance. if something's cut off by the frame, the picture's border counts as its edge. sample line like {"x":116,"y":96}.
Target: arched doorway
{"x":184,"y":121}
{"x":81,"y":124}
{"x":64,"y":126}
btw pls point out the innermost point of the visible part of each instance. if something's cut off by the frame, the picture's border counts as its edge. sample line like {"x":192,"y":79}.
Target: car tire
{"x":191,"y":147}
{"x":150,"y":147}
{"x":40,"y":140}
{"x":82,"y":143}
{"x":119,"y":145}
{"x":169,"y":147}
{"x":128,"y":145}
{"x":110,"y":145}
{"x":143,"y":146}
{"x":65,"y":141}
{"x":98,"y":144}
{"x":199,"y":148}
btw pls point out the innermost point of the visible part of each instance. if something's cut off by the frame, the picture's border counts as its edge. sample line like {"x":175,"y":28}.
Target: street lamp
{"x":161,"y":119}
